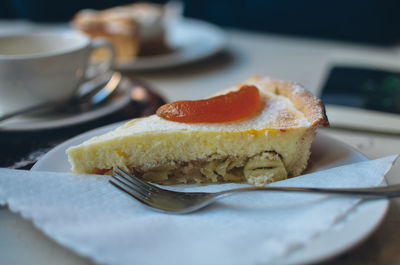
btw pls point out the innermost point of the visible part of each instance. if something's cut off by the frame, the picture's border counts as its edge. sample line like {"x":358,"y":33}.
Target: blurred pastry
{"x":134,"y":30}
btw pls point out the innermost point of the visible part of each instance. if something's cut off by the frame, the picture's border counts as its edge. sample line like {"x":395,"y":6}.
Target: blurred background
{"x":367,"y":21}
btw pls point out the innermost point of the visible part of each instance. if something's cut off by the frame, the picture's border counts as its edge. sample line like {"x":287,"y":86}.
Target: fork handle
{"x":376,"y":192}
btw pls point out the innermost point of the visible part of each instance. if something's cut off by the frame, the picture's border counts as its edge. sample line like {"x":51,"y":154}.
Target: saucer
{"x":59,"y":120}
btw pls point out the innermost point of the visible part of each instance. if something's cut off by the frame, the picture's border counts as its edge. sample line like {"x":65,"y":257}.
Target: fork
{"x":185,"y":202}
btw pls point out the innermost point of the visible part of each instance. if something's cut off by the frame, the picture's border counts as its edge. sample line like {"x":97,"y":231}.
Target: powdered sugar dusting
{"x":278,"y":112}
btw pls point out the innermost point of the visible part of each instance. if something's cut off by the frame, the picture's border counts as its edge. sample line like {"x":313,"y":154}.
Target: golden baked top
{"x":286,"y":105}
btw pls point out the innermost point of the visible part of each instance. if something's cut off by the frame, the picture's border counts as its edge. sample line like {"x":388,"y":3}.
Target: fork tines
{"x":133,"y":185}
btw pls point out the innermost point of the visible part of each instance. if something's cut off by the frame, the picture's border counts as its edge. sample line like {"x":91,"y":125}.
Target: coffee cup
{"x":37,"y":68}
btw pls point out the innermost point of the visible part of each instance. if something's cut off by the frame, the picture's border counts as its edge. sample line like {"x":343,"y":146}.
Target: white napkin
{"x":91,"y":217}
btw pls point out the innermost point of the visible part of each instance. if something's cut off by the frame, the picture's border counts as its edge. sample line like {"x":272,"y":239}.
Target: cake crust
{"x":312,"y":106}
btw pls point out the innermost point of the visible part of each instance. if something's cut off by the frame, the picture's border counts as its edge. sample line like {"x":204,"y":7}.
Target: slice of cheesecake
{"x":269,"y":146}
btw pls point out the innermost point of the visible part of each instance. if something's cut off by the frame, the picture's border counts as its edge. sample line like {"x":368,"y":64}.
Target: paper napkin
{"x":91,"y":217}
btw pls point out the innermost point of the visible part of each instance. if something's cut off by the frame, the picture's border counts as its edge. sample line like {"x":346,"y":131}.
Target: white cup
{"x":37,"y":68}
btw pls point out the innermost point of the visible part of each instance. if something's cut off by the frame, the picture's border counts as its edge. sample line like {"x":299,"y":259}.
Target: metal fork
{"x":185,"y":202}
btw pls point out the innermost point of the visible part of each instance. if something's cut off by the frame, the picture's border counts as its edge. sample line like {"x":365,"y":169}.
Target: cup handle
{"x":103,"y":67}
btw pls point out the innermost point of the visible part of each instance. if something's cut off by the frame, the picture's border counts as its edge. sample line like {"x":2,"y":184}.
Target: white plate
{"x":189,"y":39}
{"x":326,"y":153}
{"x":53,"y":121}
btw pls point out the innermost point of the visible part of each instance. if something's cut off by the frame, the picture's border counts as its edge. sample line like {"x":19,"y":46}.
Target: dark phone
{"x":365,"y":88}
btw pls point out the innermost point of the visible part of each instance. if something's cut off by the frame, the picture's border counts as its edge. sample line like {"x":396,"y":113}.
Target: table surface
{"x":302,"y":60}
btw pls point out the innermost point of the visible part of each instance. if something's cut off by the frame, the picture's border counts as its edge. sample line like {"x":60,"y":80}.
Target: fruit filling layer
{"x":259,"y":169}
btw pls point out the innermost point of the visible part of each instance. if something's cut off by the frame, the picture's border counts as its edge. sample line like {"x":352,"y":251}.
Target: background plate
{"x":189,"y":39}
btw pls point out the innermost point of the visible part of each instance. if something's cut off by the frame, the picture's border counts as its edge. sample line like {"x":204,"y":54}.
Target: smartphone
{"x":363,"y":98}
